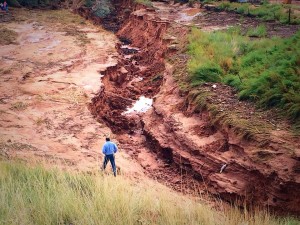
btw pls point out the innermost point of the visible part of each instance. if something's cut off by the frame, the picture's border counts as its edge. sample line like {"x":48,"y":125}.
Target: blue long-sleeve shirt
{"x":109,"y":148}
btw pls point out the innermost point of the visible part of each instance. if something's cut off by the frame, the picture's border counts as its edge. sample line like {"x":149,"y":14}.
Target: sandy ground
{"x":46,"y":81}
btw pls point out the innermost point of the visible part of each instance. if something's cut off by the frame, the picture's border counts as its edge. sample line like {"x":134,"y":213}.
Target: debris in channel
{"x":223,"y":167}
{"x":140,"y":106}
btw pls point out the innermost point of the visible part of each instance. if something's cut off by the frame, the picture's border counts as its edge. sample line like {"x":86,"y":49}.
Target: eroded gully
{"x":181,"y":149}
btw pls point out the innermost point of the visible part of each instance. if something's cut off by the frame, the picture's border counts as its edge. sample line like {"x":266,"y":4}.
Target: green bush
{"x":224,"y":5}
{"x":259,"y":31}
{"x":100,"y":8}
{"x":209,"y":73}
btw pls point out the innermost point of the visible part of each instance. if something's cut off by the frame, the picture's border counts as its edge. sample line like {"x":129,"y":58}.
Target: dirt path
{"x":46,"y":81}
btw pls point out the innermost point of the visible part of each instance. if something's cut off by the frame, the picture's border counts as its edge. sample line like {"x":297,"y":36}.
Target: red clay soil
{"x":183,"y":149}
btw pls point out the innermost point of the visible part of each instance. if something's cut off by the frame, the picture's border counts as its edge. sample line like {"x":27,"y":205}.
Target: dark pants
{"x":111,"y":158}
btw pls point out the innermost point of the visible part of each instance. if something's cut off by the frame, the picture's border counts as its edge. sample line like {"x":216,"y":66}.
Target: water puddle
{"x":140,"y":106}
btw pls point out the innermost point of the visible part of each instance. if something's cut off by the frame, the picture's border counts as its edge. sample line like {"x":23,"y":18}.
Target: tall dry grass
{"x":35,"y":195}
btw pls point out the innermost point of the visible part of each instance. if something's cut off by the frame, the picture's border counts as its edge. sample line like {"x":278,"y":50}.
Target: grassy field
{"x":35,"y":195}
{"x":266,"y":11}
{"x":265,"y":71}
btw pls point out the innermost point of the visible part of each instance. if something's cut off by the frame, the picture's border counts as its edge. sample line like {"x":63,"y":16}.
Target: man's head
{"x":107,"y":139}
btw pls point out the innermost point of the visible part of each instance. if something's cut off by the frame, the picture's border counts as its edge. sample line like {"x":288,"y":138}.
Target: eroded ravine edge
{"x":187,"y":152}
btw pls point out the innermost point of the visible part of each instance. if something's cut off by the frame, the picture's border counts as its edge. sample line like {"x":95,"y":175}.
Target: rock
{"x":173,"y":47}
{"x":123,"y":70}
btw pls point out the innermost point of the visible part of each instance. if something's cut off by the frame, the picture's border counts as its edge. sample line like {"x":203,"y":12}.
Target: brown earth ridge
{"x":181,"y":148}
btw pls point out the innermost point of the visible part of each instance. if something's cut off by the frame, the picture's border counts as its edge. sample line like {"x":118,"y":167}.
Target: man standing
{"x":109,"y":149}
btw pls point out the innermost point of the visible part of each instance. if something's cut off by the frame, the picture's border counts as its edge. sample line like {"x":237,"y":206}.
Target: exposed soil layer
{"x":183,"y":149}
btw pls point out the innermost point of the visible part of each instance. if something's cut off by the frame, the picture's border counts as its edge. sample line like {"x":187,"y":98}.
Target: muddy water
{"x":46,"y":82}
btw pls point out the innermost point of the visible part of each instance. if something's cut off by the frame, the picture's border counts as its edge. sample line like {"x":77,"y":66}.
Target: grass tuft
{"x":18,"y":106}
{"x":7,"y":36}
{"x":259,"y":31}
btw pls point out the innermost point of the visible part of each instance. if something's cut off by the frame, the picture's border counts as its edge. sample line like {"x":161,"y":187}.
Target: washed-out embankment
{"x":187,"y":149}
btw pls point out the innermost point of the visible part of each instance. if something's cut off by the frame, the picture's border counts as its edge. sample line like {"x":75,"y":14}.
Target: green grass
{"x":259,"y":31}
{"x":266,"y":11}
{"x":265,"y":71}
{"x":35,"y":195}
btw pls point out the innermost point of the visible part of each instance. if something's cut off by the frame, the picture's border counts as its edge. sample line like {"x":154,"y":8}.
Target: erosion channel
{"x":162,"y":137}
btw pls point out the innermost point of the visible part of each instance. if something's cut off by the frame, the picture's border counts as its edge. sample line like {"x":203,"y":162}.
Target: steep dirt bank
{"x":180,"y":148}
{"x":265,"y":173}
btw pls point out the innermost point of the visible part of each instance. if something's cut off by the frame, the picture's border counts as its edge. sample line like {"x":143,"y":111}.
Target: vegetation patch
{"x":18,"y":106}
{"x":34,"y":195}
{"x":100,"y":8}
{"x":7,"y":36}
{"x":144,"y":2}
{"x":259,"y":31}
{"x":265,"y":71}
{"x":40,"y":121}
{"x":266,"y":11}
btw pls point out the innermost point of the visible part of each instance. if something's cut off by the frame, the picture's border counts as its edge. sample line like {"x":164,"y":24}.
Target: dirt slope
{"x":47,"y":79}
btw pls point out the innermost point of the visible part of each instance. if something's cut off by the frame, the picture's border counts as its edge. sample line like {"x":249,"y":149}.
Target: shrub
{"x":209,"y":73}
{"x":259,"y":31}
{"x":102,"y":8}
